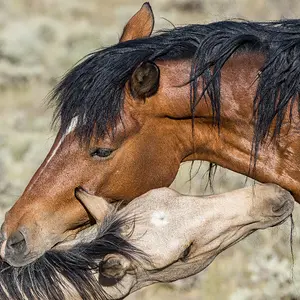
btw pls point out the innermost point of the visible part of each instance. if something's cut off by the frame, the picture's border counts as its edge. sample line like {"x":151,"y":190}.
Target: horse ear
{"x":144,"y":81}
{"x":140,"y":25}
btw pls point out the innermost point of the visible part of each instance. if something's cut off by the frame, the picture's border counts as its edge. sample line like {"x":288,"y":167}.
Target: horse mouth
{"x":76,"y":235}
{"x":73,"y":236}
{"x":73,"y":233}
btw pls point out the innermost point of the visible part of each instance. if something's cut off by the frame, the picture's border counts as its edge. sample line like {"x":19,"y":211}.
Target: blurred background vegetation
{"x":41,"y":39}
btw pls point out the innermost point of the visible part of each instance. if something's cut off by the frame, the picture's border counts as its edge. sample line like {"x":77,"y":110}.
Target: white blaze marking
{"x":71,"y":128}
{"x":159,"y":219}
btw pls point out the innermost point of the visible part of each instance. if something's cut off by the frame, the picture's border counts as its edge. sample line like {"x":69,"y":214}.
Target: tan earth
{"x":42,"y":39}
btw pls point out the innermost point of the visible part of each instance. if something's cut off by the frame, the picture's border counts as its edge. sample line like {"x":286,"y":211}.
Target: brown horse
{"x":225,"y":92}
{"x":142,"y":244}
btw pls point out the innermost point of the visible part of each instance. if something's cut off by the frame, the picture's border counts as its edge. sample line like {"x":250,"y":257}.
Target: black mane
{"x":46,"y":278}
{"x":94,"y":89}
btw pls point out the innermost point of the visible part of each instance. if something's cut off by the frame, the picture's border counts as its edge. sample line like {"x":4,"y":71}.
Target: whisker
{"x":75,"y":267}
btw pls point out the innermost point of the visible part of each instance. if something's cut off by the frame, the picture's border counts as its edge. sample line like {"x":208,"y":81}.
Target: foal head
{"x":142,"y":244}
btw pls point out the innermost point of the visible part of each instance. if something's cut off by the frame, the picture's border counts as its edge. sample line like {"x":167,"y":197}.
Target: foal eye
{"x":185,"y":255}
{"x":101,"y":152}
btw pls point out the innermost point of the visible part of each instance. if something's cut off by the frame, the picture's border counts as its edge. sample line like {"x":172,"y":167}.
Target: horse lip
{"x":2,"y":238}
{"x":72,"y":233}
{"x":2,"y":249}
{"x":72,"y":238}
{"x":79,"y":237}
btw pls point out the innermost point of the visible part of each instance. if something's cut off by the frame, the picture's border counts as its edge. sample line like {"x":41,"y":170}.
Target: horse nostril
{"x":16,"y":243}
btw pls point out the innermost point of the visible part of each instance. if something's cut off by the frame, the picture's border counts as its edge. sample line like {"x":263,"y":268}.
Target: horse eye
{"x":101,"y":152}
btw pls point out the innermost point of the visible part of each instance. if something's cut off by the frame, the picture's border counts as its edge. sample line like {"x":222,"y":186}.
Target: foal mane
{"x":51,"y":276}
{"x":93,"y":91}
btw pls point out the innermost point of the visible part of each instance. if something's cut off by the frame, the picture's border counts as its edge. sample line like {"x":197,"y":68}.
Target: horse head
{"x":113,"y":162}
{"x":131,"y":113}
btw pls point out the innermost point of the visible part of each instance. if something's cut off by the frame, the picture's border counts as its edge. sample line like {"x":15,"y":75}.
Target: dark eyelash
{"x":101,"y":152}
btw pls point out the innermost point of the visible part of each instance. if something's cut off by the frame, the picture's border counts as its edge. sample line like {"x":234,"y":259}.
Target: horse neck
{"x":230,"y":144}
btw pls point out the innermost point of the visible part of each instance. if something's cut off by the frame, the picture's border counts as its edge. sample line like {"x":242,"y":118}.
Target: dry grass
{"x":41,"y":39}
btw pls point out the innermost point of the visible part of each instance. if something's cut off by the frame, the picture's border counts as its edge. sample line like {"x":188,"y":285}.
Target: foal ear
{"x":98,"y":207}
{"x":114,"y":266}
{"x":144,"y":81}
{"x":140,"y":25}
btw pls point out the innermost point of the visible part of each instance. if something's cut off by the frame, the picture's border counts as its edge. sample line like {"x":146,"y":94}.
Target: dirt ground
{"x":41,"y":39}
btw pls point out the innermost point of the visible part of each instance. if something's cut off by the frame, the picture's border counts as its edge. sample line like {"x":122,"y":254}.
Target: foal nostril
{"x":16,"y":243}
{"x":280,"y":208}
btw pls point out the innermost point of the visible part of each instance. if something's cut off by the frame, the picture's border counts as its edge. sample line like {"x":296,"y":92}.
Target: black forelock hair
{"x":51,"y":276}
{"x":93,"y":91}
